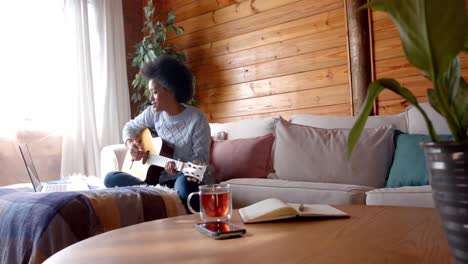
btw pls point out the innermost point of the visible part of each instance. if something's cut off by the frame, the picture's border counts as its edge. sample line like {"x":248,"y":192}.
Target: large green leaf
{"x":374,"y":90}
{"x":394,"y":86}
{"x":443,"y":96}
{"x":378,"y":5}
{"x":450,"y":83}
{"x":461,"y":106}
{"x":451,"y":79}
{"x":429,"y":30}
{"x":434,"y":100}
{"x":436,"y":103}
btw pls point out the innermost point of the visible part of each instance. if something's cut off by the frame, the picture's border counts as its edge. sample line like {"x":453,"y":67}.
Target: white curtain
{"x":98,"y":97}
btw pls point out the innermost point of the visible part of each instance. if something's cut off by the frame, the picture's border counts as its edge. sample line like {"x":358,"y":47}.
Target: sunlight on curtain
{"x":63,"y":70}
{"x":100,"y":105}
{"x":33,"y":66}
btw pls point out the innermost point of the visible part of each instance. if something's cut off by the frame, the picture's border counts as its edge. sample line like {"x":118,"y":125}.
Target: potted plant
{"x":151,"y":46}
{"x":433,"y":33}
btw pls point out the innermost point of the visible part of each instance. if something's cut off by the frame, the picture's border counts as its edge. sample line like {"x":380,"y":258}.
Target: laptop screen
{"x":28,"y":162}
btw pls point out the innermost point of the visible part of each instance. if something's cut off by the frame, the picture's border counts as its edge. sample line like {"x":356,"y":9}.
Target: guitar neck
{"x":188,"y":169}
{"x":161,"y":161}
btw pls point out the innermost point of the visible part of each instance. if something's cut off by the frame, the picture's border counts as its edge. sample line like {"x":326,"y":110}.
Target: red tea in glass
{"x":216,"y":204}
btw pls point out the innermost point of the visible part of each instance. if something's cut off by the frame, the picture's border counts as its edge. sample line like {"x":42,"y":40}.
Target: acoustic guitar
{"x":157,"y":153}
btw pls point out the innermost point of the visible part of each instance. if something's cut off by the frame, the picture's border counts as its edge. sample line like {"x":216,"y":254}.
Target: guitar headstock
{"x":194,"y":170}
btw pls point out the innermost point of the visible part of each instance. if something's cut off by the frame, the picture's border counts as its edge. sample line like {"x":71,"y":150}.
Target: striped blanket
{"x":33,"y":226}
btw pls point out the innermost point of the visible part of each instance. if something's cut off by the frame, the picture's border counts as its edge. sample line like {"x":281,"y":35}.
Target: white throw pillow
{"x":245,"y":128}
{"x":304,"y":153}
{"x":347,"y":122}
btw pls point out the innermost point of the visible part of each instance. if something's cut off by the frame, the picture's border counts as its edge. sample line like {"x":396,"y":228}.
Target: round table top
{"x":372,"y":234}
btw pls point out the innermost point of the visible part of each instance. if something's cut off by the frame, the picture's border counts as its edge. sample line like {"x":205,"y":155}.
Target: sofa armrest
{"x":412,"y":196}
{"x":112,"y":158}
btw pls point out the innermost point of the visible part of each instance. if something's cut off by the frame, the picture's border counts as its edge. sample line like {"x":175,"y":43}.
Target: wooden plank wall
{"x":255,"y":58}
{"x":133,"y":24}
{"x":390,"y":62}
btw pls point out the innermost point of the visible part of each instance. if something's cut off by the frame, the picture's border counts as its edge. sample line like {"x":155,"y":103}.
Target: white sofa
{"x":303,"y":190}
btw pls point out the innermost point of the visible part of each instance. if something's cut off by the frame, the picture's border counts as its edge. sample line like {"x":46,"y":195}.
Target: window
{"x":33,"y":67}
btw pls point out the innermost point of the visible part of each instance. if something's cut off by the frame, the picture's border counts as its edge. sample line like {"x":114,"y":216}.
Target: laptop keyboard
{"x":54,"y":188}
{"x":62,"y":187}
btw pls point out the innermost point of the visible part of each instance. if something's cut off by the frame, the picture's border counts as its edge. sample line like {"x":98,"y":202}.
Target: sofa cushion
{"x":409,"y":165}
{"x":411,"y":196}
{"x":243,"y":157}
{"x":311,"y":154}
{"x":249,"y":191}
{"x":417,"y":125}
{"x":397,"y":121}
{"x":244,"y":128}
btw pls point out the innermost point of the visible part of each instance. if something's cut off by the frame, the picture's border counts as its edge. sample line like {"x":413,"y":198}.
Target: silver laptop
{"x":49,"y":186}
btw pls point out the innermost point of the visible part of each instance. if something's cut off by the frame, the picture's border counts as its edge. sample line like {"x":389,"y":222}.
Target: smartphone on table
{"x":220,"y":230}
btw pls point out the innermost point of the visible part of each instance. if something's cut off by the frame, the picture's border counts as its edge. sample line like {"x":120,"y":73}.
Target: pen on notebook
{"x":301,"y":207}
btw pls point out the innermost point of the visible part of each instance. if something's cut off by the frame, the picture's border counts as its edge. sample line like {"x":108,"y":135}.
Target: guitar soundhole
{"x":145,"y":157}
{"x":152,"y":176}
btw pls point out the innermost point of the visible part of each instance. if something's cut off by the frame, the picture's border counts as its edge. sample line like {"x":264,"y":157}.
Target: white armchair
{"x":112,"y":158}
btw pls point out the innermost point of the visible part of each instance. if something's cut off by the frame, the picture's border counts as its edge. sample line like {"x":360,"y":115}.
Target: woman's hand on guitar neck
{"x":136,"y":150}
{"x":170,"y":168}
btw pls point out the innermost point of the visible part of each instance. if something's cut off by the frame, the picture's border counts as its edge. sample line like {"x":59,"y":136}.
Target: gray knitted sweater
{"x":188,"y":131}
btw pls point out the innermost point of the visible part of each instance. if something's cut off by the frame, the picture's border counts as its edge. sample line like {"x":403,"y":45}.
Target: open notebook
{"x":49,"y":186}
{"x":275,"y":209}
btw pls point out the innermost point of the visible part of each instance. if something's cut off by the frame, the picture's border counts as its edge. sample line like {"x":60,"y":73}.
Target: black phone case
{"x":220,"y":234}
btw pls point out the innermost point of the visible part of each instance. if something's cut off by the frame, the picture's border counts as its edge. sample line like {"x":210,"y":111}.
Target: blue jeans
{"x":178,"y":182}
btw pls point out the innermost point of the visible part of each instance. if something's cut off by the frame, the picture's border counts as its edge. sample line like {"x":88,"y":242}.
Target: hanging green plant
{"x":152,"y":45}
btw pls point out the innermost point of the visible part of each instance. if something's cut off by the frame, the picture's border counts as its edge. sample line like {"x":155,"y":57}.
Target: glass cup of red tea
{"x":215,"y":202}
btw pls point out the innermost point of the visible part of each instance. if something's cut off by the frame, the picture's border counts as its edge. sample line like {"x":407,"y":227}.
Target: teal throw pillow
{"x":409,"y":165}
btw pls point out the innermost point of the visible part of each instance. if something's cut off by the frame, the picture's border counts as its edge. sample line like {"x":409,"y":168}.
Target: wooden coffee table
{"x":373,"y":234}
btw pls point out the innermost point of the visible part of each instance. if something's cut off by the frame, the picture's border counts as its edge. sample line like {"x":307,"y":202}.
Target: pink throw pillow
{"x":242,"y":158}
